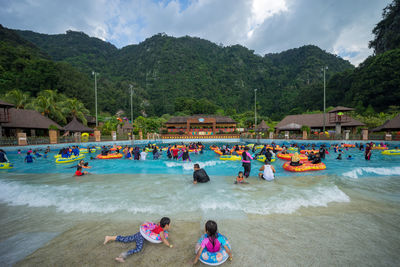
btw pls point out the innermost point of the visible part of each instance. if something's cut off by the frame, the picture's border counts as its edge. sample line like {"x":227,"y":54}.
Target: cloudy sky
{"x":342,"y":27}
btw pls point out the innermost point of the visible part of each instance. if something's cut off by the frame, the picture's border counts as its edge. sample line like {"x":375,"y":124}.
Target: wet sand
{"x":360,"y":233}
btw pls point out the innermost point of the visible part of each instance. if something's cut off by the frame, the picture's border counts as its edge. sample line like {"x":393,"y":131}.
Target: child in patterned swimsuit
{"x":139,"y":239}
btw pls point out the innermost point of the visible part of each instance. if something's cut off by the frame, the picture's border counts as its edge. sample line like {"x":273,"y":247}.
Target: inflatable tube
{"x":6,"y":165}
{"x":262,"y":158}
{"x":218,"y":151}
{"x":230,"y":157}
{"x":305,"y":167}
{"x":148,"y":149}
{"x":308,"y":151}
{"x":110,"y":156}
{"x":115,"y":148}
{"x":145,"y":231}
{"x":391,"y":152}
{"x":289,"y":156}
{"x":349,"y":145}
{"x":84,"y":137}
{"x":380,"y":148}
{"x":215,"y":258}
{"x":239,"y":152}
{"x":85,"y":150}
{"x":292,"y":149}
{"x":70,"y":159}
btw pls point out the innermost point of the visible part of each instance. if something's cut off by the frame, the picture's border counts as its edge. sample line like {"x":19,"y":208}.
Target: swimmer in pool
{"x":240,"y":179}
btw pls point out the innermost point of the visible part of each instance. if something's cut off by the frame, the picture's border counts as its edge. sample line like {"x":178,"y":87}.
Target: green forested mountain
{"x":25,"y":67}
{"x":167,"y":71}
{"x":375,"y":83}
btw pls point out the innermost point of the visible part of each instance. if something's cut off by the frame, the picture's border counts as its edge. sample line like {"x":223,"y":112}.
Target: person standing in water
{"x":246,"y":162}
{"x":368,"y":152}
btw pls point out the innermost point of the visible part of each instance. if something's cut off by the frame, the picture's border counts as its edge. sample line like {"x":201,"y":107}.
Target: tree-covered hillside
{"x":375,"y":83}
{"x":163,"y":69}
{"x":25,"y":67}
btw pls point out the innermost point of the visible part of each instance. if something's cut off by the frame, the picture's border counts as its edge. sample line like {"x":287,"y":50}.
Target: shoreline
{"x":361,"y":232}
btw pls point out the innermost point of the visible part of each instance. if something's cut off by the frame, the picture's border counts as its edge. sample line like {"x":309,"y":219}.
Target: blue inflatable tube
{"x":215,"y":258}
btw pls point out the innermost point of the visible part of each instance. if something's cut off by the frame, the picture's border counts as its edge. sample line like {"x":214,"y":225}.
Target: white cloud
{"x":339,"y":26}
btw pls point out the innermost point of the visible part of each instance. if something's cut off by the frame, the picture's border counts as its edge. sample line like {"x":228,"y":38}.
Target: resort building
{"x":335,"y":119}
{"x":200,"y":125}
{"x":27,"y":121}
{"x":390,"y":125}
{"x":74,"y":126}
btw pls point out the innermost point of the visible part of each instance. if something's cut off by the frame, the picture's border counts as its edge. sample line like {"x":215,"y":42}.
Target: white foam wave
{"x":284,"y":203}
{"x":189,"y":165}
{"x":89,"y":198}
{"x":357,"y":172}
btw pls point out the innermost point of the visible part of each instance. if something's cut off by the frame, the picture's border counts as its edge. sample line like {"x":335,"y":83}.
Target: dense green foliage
{"x":24,"y":67}
{"x":373,"y":88}
{"x":192,"y":75}
{"x":49,"y":103}
{"x":387,"y":31}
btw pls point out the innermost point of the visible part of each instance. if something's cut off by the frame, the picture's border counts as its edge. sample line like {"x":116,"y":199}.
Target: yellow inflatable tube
{"x":6,"y":165}
{"x":70,"y":159}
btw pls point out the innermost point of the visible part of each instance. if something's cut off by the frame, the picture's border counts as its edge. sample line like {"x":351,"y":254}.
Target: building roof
{"x":4,"y":104}
{"x":183,"y":119}
{"x":26,"y":118}
{"x":340,"y":108}
{"x":76,"y":126}
{"x":262,"y":126}
{"x":314,"y":121}
{"x":290,"y":127}
{"x":389,"y":125}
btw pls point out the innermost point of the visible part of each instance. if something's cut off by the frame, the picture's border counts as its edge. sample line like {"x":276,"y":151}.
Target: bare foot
{"x":119,"y":259}
{"x":107,"y":239}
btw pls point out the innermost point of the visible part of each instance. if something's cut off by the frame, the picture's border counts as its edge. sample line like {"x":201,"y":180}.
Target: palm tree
{"x":48,"y":102}
{"x":18,"y":98}
{"x":72,"y":107}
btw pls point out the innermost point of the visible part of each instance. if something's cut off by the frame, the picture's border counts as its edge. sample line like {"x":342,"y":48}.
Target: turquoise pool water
{"x":44,"y":197}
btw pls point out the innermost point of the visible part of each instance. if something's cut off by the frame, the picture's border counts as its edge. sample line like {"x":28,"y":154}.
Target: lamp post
{"x":324,"y":70}
{"x":95,"y":92}
{"x":130,"y":86}
{"x":255,"y":109}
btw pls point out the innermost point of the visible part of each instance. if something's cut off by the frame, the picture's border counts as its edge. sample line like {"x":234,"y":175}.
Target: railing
{"x":38,"y":140}
{"x":184,"y":136}
{"x":8,"y":141}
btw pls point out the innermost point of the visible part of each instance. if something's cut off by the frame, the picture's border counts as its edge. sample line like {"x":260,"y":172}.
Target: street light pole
{"x":130,"y":86}
{"x":255,"y":109}
{"x":324,"y":69}
{"x":95,"y":92}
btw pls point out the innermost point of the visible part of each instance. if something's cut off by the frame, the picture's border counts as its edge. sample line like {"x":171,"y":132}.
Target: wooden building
{"x":200,"y":125}
{"x":27,"y":121}
{"x":336,"y":119}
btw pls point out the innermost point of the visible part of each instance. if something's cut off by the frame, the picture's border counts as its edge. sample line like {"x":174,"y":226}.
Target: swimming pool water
{"x":379,"y":165}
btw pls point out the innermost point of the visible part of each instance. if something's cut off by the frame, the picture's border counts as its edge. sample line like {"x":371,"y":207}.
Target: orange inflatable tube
{"x":305,"y":167}
{"x":309,"y":151}
{"x":110,"y":156}
{"x":289,"y":156}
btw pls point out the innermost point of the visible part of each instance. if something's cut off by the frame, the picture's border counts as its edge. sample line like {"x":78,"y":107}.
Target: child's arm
{"x":198,"y":255}
{"x":262,"y":168}
{"x":228,"y":251}
{"x":164,"y":240}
